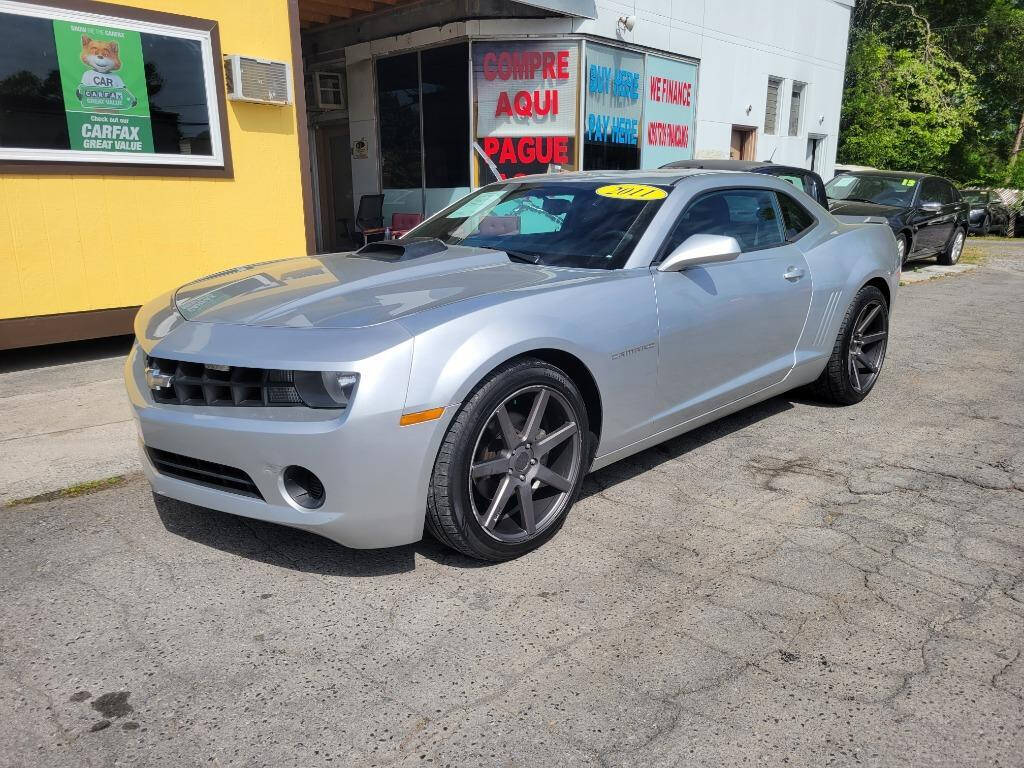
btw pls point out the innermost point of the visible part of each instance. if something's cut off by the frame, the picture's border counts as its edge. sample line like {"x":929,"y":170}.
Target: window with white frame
{"x":796,"y":104}
{"x":771,"y":110}
{"x":85,"y":87}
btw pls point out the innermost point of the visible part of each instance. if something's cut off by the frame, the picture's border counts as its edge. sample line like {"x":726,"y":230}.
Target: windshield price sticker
{"x":909,"y":183}
{"x":632,"y":192}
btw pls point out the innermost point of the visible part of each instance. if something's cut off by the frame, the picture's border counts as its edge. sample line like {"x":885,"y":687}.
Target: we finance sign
{"x":670,"y":107}
{"x":526,"y":101}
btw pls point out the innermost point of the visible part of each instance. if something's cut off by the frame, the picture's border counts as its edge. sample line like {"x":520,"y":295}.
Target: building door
{"x":335,"y":175}
{"x":815,"y":153}
{"x":744,"y":143}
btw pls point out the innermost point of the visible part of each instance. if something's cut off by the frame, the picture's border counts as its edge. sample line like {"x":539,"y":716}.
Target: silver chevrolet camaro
{"x":468,"y":376}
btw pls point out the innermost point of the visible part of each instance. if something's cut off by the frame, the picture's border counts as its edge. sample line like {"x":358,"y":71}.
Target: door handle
{"x":793,"y":274}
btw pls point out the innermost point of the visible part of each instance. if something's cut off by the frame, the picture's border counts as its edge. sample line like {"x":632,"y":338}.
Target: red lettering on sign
{"x":524,"y":107}
{"x":668,"y":134}
{"x":526,"y":65}
{"x":528,"y":150}
{"x":527,"y":104}
{"x":490,"y":69}
{"x":504,"y":106}
{"x":671,"y":91}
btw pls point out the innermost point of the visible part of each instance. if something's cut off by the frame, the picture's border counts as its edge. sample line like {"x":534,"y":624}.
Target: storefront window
{"x":423,"y":103}
{"x":445,"y":89}
{"x":670,"y":99}
{"x":526,"y":108}
{"x":98,"y":89}
{"x":401,"y":163}
{"x":615,"y":86}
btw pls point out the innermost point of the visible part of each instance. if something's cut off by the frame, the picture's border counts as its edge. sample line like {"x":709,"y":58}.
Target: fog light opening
{"x":303,"y":487}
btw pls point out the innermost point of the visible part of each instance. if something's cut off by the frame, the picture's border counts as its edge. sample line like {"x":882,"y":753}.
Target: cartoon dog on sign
{"x":99,"y":86}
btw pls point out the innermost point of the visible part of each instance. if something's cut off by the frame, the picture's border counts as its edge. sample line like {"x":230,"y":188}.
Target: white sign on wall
{"x":526,"y":95}
{"x":526,"y":88}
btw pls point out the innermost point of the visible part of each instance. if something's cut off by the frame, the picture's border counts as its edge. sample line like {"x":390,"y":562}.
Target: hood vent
{"x":402,"y":250}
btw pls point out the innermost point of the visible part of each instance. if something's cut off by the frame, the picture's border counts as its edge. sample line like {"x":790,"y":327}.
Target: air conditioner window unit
{"x":258,"y":80}
{"x":330,"y":90}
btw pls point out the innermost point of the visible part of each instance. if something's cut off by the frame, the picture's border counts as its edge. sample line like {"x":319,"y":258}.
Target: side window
{"x":746,"y":214}
{"x":794,"y":217}
{"x":951,"y":195}
{"x":931,"y":191}
{"x":796,"y":181}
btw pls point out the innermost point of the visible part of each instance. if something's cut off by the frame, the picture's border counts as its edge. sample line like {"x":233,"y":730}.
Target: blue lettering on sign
{"x":612,"y":130}
{"x":624,"y":85}
{"x":627,"y":84}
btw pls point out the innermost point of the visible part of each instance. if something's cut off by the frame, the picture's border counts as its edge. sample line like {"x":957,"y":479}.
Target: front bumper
{"x":375,"y":473}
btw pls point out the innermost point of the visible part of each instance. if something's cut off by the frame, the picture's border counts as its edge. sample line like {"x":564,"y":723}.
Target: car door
{"x":935,"y":216}
{"x":729,"y":329}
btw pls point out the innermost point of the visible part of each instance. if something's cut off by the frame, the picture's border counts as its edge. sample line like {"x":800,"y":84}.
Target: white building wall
{"x":739,"y":44}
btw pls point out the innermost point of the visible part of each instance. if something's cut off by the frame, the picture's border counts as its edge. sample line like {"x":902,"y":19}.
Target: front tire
{"x":954,"y":249}
{"x":986,"y":227}
{"x":511,"y":464}
{"x":859,"y":351}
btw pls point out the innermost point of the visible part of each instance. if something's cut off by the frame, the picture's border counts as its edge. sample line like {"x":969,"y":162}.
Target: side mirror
{"x":931,"y":207}
{"x":701,"y":249}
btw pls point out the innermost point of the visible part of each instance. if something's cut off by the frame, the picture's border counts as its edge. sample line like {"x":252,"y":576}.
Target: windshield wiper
{"x":525,"y":256}
{"x":858,"y":200}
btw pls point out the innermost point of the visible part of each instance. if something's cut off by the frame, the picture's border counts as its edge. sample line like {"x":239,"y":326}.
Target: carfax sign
{"x":103,"y":79}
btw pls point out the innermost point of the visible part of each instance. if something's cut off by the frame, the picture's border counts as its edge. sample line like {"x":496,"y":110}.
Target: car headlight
{"x":326,"y":389}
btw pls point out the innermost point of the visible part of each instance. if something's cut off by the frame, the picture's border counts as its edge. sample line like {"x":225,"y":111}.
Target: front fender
{"x":595,"y":321}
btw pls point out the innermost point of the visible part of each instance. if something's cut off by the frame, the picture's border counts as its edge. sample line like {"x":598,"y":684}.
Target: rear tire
{"x":512,"y":463}
{"x":859,"y":352}
{"x":955,"y":247}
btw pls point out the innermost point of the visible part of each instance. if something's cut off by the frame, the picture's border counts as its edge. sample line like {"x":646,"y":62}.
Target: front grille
{"x":199,"y":384}
{"x":208,"y":473}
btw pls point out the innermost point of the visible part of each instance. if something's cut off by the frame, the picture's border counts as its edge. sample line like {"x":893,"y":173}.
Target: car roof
{"x":748,"y":166}
{"x":902,"y":174}
{"x":670,"y":176}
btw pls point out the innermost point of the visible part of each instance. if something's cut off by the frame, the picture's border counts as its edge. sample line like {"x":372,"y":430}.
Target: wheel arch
{"x":582,"y":377}
{"x":573,"y":367}
{"x":908,"y":233}
{"x":882,"y":285}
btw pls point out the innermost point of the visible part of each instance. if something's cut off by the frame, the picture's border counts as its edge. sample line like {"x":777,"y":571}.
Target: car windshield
{"x":975,"y":196}
{"x":592,"y":225}
{"x":883,"y":190}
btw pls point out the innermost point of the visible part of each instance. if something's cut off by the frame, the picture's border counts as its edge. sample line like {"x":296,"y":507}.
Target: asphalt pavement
{"x":795,"y":584}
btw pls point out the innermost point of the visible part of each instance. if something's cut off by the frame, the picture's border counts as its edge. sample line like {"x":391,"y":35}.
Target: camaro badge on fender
{"x":632,"y":351}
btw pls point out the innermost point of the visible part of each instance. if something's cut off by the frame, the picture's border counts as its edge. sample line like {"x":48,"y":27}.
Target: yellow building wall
{"x":83,"y":242}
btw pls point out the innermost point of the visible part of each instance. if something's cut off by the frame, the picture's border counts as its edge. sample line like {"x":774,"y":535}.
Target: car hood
{"x":348,"y":290}
{"x":853,"y":208}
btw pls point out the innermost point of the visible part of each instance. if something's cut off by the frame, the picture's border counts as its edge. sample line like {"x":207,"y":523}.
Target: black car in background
{"x":925,"y":212}
{"x":807,"y":181}
{"x":987,"y":212}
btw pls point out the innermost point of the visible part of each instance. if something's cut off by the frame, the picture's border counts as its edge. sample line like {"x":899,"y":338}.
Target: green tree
{"x":903,"y":108}
{"x":982,"y":37}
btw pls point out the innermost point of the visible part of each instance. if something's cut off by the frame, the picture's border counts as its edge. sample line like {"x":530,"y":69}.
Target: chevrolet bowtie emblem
{"x":157,"y":380}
